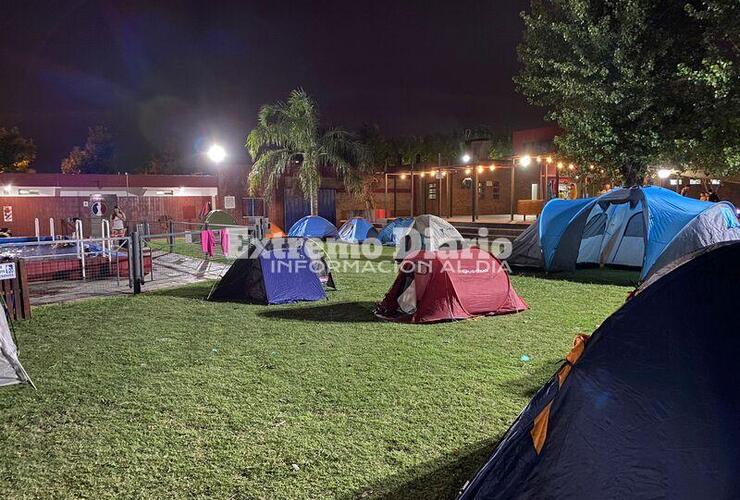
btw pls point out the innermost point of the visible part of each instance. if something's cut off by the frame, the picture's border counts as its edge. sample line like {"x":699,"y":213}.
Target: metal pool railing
{"x":63,"y":269}
{"x":66,"y":269}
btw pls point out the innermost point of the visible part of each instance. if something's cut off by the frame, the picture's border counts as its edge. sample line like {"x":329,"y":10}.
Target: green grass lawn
{"x":166,"y":395}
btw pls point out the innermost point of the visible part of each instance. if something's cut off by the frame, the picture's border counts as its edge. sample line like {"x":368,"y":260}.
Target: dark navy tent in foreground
{"x":357,"y":230}
{"x":646,"y":408}
{"x":280,"y":272}
{"x":393,"y":231}
{"x":645,"y":228}
{"x":313,"y":226}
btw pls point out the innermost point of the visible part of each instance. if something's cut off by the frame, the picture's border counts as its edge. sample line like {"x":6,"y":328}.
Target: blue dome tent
{"x":357,"y":230}
{"x":313,"y":226}
{"x":642,"y":227}
{"x":392,"y":232}
{"x":645,"y":408}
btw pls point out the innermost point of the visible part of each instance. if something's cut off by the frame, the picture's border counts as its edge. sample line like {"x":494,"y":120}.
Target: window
{"x":595,"y":226}
{"x":254,"y":207}
{"x":432,"y":190}
{"x":496,"y":190}
{"x":635,"y":226}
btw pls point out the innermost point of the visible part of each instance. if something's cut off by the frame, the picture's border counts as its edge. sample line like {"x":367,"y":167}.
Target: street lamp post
{"x":216,"y":154}
{"x":663,"y":174}
{"x":475,"y":195}
{"x":524,"y":161}
{"x":466,"y":159}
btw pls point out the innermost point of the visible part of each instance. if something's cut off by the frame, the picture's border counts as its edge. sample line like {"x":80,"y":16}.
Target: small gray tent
{"x":430,"y":233}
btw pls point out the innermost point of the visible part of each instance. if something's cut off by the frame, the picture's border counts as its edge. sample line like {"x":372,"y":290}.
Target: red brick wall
{"x":727,"y":191}
{"x":26,"y":209}
{"x":461,"y":196}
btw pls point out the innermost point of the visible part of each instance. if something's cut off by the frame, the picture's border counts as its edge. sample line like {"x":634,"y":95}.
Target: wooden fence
{"x":15,"y":291}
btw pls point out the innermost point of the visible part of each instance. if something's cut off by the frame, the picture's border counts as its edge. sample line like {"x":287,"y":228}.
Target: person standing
{"x":118,"y":223}
{"x":712,"y":196}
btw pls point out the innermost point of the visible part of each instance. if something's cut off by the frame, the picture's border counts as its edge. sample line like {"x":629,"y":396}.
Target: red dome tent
{"x":448,"y":285}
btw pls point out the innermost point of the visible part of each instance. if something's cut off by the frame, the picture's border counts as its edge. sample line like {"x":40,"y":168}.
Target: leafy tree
{"x":97,"y":156}
{"x":16,"y":152}
{"x":164,"y":161}
{"x":289,"y":139}
{"x":501,"y":146}
{"x":75,"y":162}
{"x":610,"y":73}
{"x":709,"y":136}
{"x":445,"y":147}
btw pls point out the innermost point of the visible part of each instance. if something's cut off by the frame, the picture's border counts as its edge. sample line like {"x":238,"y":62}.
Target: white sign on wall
{"x":7,"y":271}
{"x":229,"y":202}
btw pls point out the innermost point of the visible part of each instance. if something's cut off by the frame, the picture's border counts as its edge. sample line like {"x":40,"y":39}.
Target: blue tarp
{"x":357,"y":230}
{"x":666,"y":214}
{"x":289,"y":276}
{"x":313,"y":226}
{"x":388,"y":236}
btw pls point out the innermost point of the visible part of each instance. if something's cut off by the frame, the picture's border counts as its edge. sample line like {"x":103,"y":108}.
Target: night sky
{"x":193,"y":72}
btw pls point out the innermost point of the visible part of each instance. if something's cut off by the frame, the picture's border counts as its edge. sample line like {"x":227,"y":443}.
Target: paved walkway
{"x":169,"y":270}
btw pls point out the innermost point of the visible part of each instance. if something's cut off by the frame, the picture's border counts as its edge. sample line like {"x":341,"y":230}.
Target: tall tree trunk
{"x":314,"y":202}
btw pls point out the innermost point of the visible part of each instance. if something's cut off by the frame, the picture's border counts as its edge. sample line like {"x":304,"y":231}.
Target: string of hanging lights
{"x":523,"y":161}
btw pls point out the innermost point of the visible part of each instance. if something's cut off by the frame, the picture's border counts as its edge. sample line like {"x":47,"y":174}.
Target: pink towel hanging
{"x":208,"y":242}
{"x":225,"y":241}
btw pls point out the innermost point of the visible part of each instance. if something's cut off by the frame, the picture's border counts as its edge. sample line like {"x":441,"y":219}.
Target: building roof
{"x":107,"y":181}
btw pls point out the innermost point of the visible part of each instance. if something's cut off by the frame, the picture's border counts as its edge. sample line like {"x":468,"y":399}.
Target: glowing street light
{"x":525,"y":160}
{"x":467,"y":171}
{"x":216,"y":153}
{"x":664,"y":173}
{"x":466,"y":158}
{"x":480,"y":169}
{"x":492,"y":168}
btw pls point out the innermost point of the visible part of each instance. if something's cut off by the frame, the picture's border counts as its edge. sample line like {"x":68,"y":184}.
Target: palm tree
{"x":289,"y":139}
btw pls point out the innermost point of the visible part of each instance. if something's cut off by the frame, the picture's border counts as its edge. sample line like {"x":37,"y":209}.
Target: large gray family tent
{"x":645,"y":228}
{"x":11,"y":370}
{"x":647,"y":407}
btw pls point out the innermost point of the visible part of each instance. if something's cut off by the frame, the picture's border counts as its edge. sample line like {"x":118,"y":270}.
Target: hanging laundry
{"x":208,"y":242}
{"x":225,"y":242}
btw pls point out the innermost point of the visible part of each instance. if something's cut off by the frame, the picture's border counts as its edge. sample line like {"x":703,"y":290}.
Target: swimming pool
{"x":45,"y":261}
{"x":25,"y":248}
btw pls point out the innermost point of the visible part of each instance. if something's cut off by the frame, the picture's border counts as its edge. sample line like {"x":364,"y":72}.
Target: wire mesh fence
{"x":67,"y":269}
{"x":166,"y":254}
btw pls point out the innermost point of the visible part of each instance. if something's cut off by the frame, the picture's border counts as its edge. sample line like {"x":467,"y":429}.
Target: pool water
{"x":61,"y":249}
